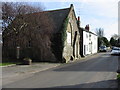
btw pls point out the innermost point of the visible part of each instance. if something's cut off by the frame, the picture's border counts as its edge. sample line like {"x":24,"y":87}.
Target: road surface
{"x":98,"y":71}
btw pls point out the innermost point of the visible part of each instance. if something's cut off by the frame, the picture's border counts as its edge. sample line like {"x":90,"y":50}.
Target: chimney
{"x":78,"y":21}
{"x":87,"y":27}
{"x":71,"y":5}
{"x":78,"y":18}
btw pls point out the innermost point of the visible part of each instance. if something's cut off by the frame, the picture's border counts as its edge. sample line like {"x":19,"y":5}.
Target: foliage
{"x":63,"y":32}
{"x":64,"y":35}
{"x":103,"y":41}
{"x":58,"y":41}
{"x":115,"y":36}
{"x":35,"y":28}
{"x":113,"y":41}
{"x":12,"y":9}
{"x":27,"y":58}
{"x":118,"y":78}
{"x":27,"y":61}
{"x":106,"y":42}
{"x":8,"y":63}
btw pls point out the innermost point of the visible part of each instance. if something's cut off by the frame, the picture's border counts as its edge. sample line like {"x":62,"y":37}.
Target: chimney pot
{"x":71,"y":5}
{"x":87,"y":27}
{"x":78,"y":18}
{"x":78,"y":21}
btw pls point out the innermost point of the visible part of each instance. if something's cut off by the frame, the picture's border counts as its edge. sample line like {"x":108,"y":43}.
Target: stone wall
{"x":72,"y":47}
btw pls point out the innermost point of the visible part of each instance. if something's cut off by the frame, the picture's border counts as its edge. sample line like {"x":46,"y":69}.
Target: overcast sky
{"x":96,"y":13}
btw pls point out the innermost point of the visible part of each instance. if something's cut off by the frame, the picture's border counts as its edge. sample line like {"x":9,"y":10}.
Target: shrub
{"x":27,"y":61}
{"x":118,"y":77}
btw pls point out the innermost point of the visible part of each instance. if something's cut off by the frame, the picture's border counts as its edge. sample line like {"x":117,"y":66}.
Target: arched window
{"x":29,"y":43}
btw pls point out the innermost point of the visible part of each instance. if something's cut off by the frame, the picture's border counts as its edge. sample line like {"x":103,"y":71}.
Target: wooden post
{"x":18,"y":52}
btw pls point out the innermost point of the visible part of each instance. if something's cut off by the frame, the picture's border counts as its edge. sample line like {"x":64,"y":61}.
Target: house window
{"x":68,"y":37}
{"x":90,"y":35}
{"x":29,"y":43}
{"x":71,"y":30}
{"x":86,"y":36}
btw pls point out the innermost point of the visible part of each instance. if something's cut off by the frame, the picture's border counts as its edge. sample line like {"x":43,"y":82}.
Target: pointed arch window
{"x":29,"y":43}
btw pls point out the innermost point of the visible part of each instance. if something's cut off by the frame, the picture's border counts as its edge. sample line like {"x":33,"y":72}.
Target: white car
{"x":115,"y":51}
{"x":102,"y":49}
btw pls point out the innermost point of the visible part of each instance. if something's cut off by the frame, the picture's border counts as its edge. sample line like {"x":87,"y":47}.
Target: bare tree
{"x":28,"y":26}
{"x":11,"y":9}
{"x":100,"y":32}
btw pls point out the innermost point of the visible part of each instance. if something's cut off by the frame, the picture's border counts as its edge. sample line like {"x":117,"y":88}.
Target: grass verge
{"x":7,"y":63}
{"x":118,"y":77}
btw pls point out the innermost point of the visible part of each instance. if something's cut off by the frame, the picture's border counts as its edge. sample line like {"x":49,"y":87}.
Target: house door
{"x":74,"y":44}
{"x":84,"y":49}
{"x":77,"y":49}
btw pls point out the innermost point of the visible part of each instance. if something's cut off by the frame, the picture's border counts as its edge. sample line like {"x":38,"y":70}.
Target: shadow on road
{"x":104,"y":63}
{"x":100,"y":84}
{"x":105,"y":85}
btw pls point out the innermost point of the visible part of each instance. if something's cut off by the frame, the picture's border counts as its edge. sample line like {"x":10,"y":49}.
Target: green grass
{"x":118,"y":76}
{"x":6,"y":63}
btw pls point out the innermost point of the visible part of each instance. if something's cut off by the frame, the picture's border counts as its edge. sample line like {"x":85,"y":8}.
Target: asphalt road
{"x":98,"y":71}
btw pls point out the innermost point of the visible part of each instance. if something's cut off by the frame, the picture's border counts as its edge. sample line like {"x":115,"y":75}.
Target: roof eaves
{"x":88,"y":31}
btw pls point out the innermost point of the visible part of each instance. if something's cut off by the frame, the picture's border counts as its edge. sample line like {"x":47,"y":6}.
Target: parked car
{"x":102,"y":49}
{"x":115,"y":51}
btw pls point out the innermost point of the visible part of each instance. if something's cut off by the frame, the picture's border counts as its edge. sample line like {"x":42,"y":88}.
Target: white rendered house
{"x":89,"y":42}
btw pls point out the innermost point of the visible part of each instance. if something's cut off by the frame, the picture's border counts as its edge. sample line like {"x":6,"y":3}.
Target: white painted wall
{"x":94,"y":43}
{"x":85,"y":43}
{"x":90,"y":43}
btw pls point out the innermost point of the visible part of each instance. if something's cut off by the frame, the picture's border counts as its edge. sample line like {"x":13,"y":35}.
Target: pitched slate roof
{"x":57,"y":16}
